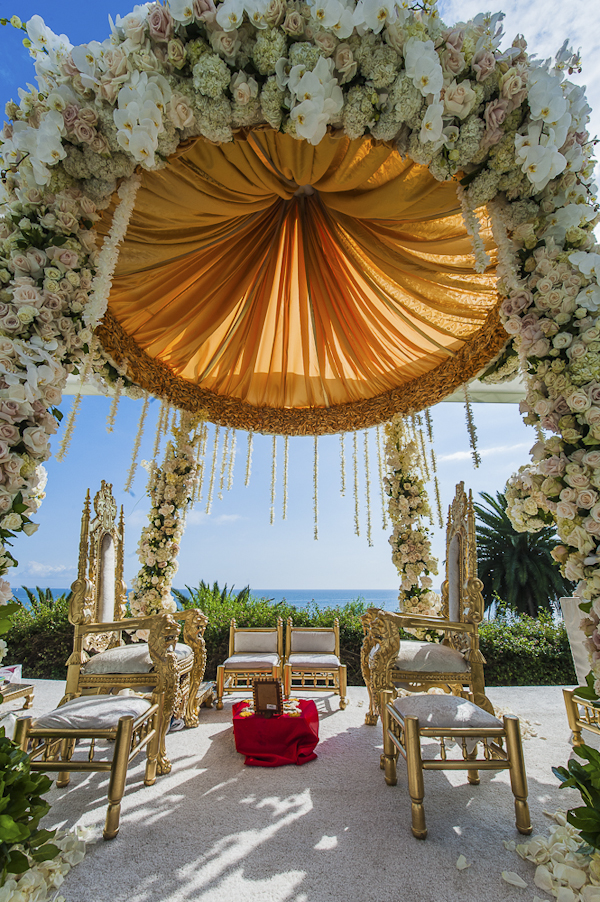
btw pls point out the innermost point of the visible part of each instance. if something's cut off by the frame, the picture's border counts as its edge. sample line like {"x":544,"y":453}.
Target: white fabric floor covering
{"x":214,"y":830}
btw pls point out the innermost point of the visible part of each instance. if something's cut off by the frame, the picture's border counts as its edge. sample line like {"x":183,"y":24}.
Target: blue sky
{"x":236,"y":544}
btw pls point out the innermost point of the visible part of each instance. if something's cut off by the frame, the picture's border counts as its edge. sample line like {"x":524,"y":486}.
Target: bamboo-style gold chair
{"x":450,"y":720}
{"x":101,"y":662}
{"x":312,"y":661}
{"x":253,"y":652}
{"x":127,"y":724}
{"x":455,"y":664}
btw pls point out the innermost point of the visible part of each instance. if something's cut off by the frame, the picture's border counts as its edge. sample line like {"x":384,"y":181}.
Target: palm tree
{"x":516,"y":567}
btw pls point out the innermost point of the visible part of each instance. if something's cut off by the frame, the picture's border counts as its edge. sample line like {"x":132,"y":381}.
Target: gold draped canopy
{"x":299,"y":289}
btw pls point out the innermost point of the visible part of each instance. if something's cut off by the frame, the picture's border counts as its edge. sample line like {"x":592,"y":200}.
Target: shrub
{"x":220,"y":606}
{"x":519,"y":650}
{"x":526,"y":651}
{"x":41,"y":637}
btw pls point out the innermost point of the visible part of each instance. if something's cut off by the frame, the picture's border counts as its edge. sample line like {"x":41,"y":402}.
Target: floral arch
{"x":304,"y":218}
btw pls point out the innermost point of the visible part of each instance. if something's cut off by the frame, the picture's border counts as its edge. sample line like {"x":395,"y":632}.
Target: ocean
{"x":301,"y":598}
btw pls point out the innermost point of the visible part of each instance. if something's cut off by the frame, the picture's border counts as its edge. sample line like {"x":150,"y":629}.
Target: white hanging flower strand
{"x":107,"y":261}
{"x":316,"y":486}
{"x":342,"y":465}
{"x":112,"y":413}
{"x":136,"y":445}
{"x":355,"y":467}
{"x":224,"y":460}
{"x":70,"y":424}
{"x":286,"y":449}
{"x":471,"y":428}
{"x":159,"y":426}
{"x":273,"y":478}
{"x":381,"y":471}
{"x":472,"y":225}
{"x":232,"y":450}
{"x":249,"y":458}
{"x":213,"y":468}
{"x":368,"y":489}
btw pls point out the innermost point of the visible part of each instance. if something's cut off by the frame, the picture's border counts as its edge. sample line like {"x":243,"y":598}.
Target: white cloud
{"x":485,"y":452}
{"x":35,"y":568}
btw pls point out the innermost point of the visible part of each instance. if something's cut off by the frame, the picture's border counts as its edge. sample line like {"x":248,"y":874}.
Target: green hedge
{"x":526,"y":651}
{"x":519,"y":650}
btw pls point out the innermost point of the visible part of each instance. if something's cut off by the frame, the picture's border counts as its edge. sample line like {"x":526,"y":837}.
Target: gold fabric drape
{"x":288,"y":284}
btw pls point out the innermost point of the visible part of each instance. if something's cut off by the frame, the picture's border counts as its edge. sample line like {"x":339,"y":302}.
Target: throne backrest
{"x":461,"y":557}
{"x":99,"y":593}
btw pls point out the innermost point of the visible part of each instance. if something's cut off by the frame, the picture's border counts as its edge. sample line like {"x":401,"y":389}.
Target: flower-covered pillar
{"x":407,"y":506}
{"x":171,"y":488}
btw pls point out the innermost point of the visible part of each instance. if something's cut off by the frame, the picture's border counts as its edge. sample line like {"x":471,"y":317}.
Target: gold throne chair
{"x":455,"y":664}
{"x":101,"y":662}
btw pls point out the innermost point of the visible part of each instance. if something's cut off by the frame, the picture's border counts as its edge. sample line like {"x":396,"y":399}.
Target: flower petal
{"x":513,"y":879}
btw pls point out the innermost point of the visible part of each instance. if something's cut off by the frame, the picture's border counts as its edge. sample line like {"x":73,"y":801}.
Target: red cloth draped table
{"x":273,"y":741}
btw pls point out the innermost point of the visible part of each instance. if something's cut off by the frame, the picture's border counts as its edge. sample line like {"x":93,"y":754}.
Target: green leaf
{"x":17,"y":862}
{"x":11,"y":831}
{"x":45,"y":853}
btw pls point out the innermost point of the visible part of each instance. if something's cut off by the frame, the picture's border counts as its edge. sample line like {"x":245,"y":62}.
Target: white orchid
{"x":374,"y":14}
{"x":43,"y":38}
{"x":230,"y":14}
{"x":345,"y":26}
{"x":326,"y":13}
{"x":589,"y":298}
{"x":587,"y":263}
{"x":423,"y":66}
{"x":182,"y":11}
{"x":433,"y":124}
{"x":565,"y":218}
{"x":542,"y":164}
{"x":545,"y":97}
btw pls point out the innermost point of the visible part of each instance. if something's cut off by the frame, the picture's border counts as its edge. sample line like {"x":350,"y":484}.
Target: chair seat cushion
{"x":93,"y":712}
{"x":308,"y":661}
{"x":444,"y":711}
{"x":129,"y":659}
{"x":252,"y":661}
{"x":429,"y":657}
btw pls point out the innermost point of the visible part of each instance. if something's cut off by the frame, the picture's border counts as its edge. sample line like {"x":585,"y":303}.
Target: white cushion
{"x":313,"y":662}
{"x":573,"y":615}
{"x":93,"y":712}
{"x":129,"y":659}
{"x":442,"y":711}
{"x":313,"y":640}
{"x":429,"y":657}
{"x":250,"y":662}
{"x":255,"y":640}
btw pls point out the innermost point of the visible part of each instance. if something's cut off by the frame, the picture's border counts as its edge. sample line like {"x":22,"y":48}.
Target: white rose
{"x":12,"y":521}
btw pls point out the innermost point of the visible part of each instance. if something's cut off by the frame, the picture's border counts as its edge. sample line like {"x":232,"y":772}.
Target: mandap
{"x":302,"y":219}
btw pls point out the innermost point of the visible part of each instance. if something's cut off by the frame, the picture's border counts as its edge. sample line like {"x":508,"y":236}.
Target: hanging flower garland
{"x":510,"y":127}
{"x":408,"y":506}
{"x":171,"y":488}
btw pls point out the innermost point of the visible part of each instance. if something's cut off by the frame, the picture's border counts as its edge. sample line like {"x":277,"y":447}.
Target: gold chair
{"x":450,"y":720}
{"x":313,"y":661}
{"x":456,"y":663}
{"x":253,"y":652}
{"x":128,"y":724}
{"x":101,"y":662}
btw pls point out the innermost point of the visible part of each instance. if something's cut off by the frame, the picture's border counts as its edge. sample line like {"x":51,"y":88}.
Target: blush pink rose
{"x":483,"y":64}
{"x":160,"y":23}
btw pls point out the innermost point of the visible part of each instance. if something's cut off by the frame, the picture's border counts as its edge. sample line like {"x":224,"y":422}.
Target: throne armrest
{"x":409,"y":621}
{"x":194,"y":623}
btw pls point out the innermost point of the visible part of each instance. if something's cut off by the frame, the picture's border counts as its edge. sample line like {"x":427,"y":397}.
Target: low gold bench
{"x":450,"y":719}
{"x":129,"y":723}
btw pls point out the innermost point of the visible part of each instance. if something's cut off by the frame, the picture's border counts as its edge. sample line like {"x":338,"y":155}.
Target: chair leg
{"x":473,"y":775}
{"x":573,"y":716}
{"x":414,"y":766}
{"x":21,"y":734}
{"x":153,"y":747}
{"x":518,"y":777}
{"x":389,"y":756}
{"x":118,"y":775}
{"x":343,"y":686}
{"x":66,"y":751}
{"x":287,"y":680}
{"x":220,"y":686}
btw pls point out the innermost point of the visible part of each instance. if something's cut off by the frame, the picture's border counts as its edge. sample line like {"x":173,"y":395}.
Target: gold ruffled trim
{"x":157,"y":378}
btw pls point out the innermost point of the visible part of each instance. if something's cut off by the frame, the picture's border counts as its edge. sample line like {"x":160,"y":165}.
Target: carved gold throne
{"x":101,"y":662}
{"x":455,"y":664}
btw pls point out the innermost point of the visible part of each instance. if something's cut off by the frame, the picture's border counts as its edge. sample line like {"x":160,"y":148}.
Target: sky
{"x":236,"y":544}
